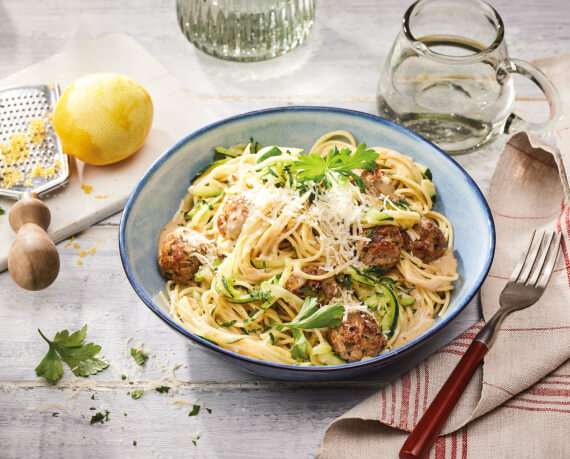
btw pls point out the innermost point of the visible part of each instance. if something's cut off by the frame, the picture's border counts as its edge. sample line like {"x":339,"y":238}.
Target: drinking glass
{"x":448,"y":76}
{"x":246,"y":30}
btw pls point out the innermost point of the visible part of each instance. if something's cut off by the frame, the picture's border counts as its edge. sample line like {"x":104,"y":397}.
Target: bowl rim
{"x":380,"y":360}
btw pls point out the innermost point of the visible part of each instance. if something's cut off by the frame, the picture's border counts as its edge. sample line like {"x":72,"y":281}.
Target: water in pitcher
{"x":457,"y":105}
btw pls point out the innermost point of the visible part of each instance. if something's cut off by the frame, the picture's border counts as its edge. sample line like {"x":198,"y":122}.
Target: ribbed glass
{"x":246,"y":30}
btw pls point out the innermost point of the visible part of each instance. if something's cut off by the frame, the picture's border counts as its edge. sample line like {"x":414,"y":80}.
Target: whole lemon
{"x":103,"y":118}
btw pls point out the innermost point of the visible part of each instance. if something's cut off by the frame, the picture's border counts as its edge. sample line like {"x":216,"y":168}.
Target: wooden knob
{"x":33,"y":260}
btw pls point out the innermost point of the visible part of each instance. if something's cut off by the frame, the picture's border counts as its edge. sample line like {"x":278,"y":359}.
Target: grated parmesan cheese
{"x":86,"y":188}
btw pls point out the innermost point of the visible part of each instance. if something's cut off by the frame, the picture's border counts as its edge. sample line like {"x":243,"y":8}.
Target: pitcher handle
{"x":514,"y":122}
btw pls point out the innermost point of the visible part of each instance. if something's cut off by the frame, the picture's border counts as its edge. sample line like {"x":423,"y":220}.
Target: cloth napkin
{"x":518,"y":403}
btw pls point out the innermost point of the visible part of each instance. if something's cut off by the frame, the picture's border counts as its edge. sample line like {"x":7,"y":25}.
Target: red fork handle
{"x":427,"y":430}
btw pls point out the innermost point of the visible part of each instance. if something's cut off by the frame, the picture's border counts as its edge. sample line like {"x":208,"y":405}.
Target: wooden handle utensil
{"x":33,"y":260}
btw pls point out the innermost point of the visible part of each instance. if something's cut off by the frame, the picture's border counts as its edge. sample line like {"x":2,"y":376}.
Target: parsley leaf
{"x":163,"y":389}
{"x":310,"y":167}
{"x":100,"y":417}
{"x":317,"y":169}
{"x":70,"y":348}
{"x":195,"y":410}
{"x":311,"y":316}
{"x":299,"y":349}
{"x":2,"y":211}
{"x":136,"y":394}
{"x":139,"y":356}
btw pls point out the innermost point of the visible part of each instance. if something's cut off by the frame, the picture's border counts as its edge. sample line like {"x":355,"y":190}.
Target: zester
{"x":31,"y":164}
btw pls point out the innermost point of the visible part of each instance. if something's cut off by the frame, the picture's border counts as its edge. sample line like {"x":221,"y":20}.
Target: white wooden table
{"x":339,"y":65}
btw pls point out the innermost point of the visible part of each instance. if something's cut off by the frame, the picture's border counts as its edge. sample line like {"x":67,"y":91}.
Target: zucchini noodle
{"x":274,"y":244}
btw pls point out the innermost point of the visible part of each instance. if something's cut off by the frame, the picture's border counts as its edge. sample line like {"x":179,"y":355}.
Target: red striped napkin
{"x":518,"y":403}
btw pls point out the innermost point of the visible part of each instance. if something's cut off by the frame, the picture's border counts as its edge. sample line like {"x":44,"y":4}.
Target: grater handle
{"x":33,"y":260}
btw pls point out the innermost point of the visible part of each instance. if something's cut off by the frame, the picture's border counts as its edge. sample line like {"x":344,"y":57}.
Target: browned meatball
{"x":177,"y":254}
{"x":383,"y":249}
{"x":233,"y":216}
{"x":356,"y":337}
{"x":325,"y":289}
{"x":431,"y":242}
{"x":378,"y":183}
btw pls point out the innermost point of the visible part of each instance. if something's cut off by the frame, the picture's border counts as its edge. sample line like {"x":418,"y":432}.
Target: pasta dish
{"x":323,"y":258}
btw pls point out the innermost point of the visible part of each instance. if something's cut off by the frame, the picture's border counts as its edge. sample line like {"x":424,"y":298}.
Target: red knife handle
{"x":427,"y":430}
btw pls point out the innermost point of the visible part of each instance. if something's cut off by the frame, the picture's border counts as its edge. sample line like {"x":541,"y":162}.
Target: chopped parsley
{"x":123,"y":377}
{"x":163,"y":389}
{"x":55,"y":414}
{"x":195,"y":410}
{"x":100,"y":417}
{"x":81,"y":358}
{"x":139,"y":356}
{"x":134,"y":443}
{"x":136,"y":394}
{"x":2,"y":211}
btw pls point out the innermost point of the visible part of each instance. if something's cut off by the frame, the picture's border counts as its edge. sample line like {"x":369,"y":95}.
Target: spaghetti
{"x":318,"y":259}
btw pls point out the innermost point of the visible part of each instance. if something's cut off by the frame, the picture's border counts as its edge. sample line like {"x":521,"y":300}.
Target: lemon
{"x":103,"y":118}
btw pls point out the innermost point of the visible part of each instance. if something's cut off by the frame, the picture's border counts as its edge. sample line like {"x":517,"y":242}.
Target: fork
{"x":524,"y":288}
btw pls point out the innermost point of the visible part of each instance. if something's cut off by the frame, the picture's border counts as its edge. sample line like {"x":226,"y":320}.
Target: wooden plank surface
{"x":251,"y":416}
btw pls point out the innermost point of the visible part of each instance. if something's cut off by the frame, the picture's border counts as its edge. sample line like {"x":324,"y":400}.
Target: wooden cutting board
{"x":177,"y":112}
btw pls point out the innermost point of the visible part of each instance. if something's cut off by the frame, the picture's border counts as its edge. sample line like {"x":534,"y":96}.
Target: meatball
{"x":378,"y":183}
{"x":233,"y":217}
{"x":356,"y":337}
{"x":325,"y":289}
{"x":177,"y":254}
{"x":431,"y":242}
{"x":383,"y":249}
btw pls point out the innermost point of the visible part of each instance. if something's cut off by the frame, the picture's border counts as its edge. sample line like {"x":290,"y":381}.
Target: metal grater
{"x":18,"y":107}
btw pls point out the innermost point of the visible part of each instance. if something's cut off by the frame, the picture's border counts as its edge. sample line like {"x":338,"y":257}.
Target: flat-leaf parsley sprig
{"x":315,"y":168}
{"x":80,"y":357}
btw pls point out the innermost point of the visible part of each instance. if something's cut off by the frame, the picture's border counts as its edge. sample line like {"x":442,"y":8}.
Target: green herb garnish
{"x":163,"y":389}
{"x":317,"y":169}
{"x":100,"y":417}
{"x":311,"y":316}
{"x":299,"y":349}
{"x":136,"y":394}
{"x":195,"y":410}
{"x":139,"y":356}
{"x":70,"y":348}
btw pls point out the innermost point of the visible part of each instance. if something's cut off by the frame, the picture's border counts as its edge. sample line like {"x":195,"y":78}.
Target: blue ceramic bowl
{"x":156,"y":198}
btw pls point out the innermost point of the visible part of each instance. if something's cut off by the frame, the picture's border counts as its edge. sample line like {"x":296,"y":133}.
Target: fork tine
{"x":542,"y":253}
{"x":549,"y":263}
{"x":531,"y":258}
{"x":520,"y":264}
